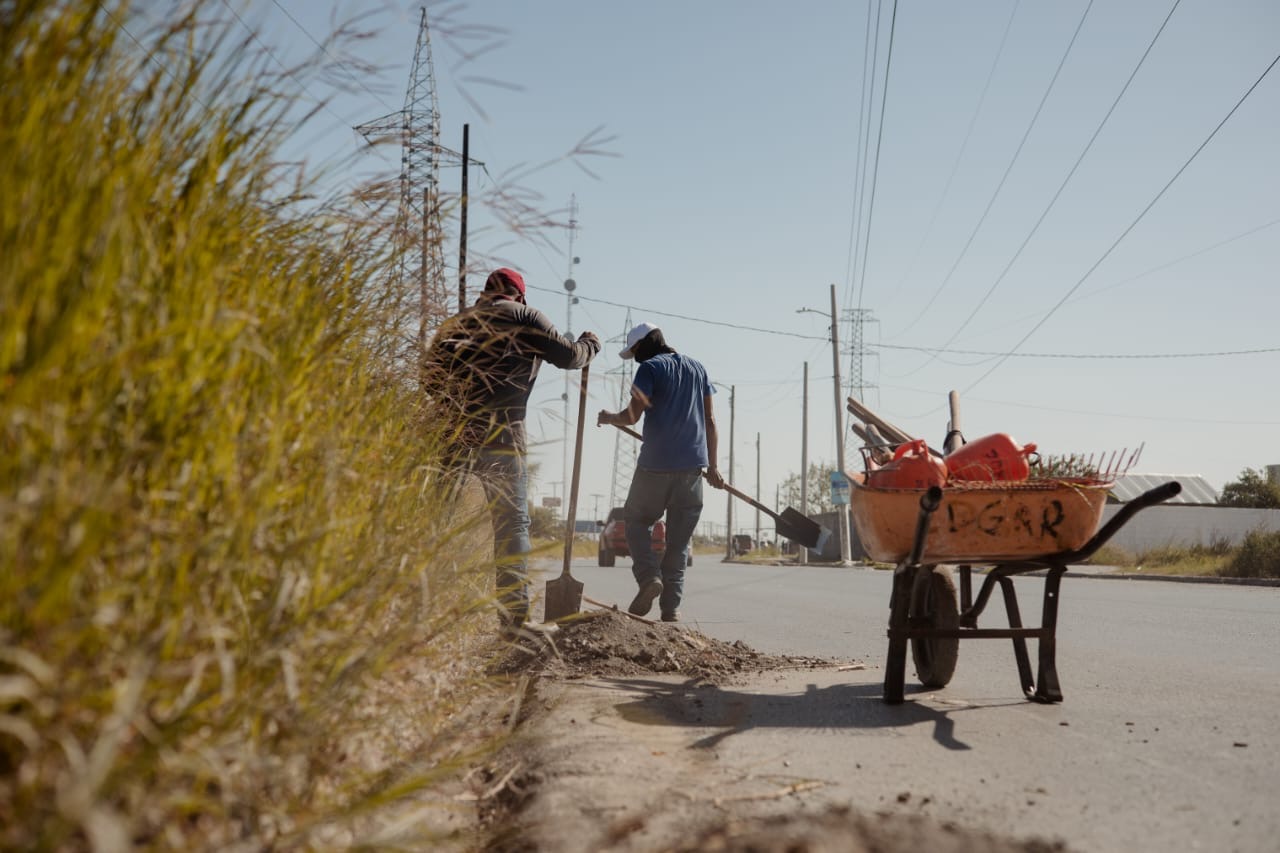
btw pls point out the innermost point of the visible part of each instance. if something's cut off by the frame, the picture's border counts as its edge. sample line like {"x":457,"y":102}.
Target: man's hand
{"x":714,"y":478}
{"x":591,"y":337}
{"x":606,"y":417}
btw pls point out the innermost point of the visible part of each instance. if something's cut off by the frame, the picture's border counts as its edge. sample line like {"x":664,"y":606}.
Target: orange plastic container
{"x":990,"y":458}
{"x":912,"y":467}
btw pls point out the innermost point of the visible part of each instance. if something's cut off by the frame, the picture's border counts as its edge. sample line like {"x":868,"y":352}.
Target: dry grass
{"x":225,"y":554}
{"x":1197,"y":560}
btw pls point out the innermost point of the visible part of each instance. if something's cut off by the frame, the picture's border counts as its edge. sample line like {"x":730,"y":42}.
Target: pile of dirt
{"x":609,"y":643}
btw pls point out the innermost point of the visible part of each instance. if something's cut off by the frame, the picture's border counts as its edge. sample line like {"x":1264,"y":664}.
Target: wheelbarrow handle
{"x":1151,"y":497}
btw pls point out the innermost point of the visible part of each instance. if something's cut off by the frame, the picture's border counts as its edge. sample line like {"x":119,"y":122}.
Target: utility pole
{"x":462,"y":220}
{"x":842,"y":509}
{"x":803,"y":555}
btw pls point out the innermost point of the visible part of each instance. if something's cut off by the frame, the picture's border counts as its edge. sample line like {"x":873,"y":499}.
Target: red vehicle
{"x":613,"y":539}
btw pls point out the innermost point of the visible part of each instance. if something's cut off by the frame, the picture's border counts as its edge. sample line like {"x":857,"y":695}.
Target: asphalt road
{"x":1168,"y":738}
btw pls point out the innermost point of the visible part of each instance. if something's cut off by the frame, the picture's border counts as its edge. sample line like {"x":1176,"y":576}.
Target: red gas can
{"x":992,"y":457}
{"x":912,"y":467}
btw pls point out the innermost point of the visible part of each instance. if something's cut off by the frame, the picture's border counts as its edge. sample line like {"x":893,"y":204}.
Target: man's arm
{"x":628,"y":416}
{"x":553,"y":347}
{"x":713,"y":444}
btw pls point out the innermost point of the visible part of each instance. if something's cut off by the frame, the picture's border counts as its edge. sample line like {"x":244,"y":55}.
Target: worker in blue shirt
{"x":673,"y":394}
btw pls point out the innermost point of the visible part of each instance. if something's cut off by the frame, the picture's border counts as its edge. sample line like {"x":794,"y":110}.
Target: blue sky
{"x":745,"y":149}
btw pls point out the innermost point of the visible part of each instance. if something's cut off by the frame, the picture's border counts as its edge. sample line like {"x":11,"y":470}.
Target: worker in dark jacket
{"x":481,"y":366}
{"x":673,"y":394}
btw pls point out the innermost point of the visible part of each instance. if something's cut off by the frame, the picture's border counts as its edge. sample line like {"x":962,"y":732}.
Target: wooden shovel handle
{"x":571,"y":516}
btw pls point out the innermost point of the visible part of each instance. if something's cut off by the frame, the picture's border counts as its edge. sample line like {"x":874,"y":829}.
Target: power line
{"x":339,"y":63}
{"x":859,"y":161}
{"x":1187,"y":257}
{"x":964,"y":251}
{"x":150,"y":56}
{"x":703,"y":320}
{"x":875,"y":169}
{"x":1099,"y":356}
{"x":1052,"y":201}
{"x":323,"y":104}
{"x":1132,"y":224}
{"x":1165,"y":418}
{"x":955,"y":167}
{"x":939,"y":350}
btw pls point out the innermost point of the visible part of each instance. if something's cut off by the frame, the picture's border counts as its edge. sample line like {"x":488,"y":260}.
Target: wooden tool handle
{"x":571,"y":516}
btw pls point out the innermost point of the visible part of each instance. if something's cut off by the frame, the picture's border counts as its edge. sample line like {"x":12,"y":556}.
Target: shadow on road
{"x":697,"y":704}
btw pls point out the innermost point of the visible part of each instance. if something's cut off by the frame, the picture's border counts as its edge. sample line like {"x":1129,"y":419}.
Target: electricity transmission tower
{"x":858,"y":386}
{"x":419,"y":231}
{"x":625,"y":448}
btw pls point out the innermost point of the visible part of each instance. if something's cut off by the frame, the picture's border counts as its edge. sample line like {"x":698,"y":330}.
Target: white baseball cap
{"x":635,"y":336}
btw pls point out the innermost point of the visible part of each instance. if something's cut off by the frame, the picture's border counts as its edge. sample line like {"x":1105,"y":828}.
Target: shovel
{"x":790,"y":523}
{"x":564,"y":594}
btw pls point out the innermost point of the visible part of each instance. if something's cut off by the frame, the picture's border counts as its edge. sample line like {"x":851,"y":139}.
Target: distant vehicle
{"x":742,"y":543}
{"x":613,"y":539}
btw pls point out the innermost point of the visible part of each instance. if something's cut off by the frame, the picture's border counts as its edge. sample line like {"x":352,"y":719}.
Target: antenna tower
{"x":419,"y":230}
{"x":570,"y":285}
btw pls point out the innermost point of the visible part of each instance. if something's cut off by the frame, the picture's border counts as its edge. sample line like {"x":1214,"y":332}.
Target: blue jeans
{"x":505,"y":477}
{"x":679,"y":495}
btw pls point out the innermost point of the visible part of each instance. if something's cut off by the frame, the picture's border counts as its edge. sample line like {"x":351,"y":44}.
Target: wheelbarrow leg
{"x":1019,"y":644}
{"x":895,"y":669}
{"x":1047,"y":687}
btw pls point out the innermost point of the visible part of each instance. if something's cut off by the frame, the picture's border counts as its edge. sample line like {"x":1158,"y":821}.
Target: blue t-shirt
{"x":675,"y":424}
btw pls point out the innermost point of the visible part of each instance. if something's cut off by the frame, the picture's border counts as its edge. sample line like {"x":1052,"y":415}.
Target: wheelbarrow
{"x":1012,"y":527}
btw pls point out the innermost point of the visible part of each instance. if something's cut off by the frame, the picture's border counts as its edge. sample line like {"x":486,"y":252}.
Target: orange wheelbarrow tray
{"x":980,"y":522}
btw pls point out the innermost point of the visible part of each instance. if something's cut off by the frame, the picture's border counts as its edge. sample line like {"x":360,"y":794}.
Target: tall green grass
{"x":219,"y":521}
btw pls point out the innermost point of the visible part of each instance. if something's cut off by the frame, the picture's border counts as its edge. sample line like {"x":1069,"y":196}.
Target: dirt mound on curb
{"x":612,"y":644}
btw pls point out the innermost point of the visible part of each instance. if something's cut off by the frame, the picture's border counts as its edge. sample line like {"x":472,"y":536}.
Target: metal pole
{"x":462,"y":221}
{"x":569,"y":286}
{"x":728,"y":500}
{"x":843,"y":510}
{"x":803,"y":555}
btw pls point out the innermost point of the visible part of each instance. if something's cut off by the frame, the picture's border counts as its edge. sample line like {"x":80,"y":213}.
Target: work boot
{"x":671,"y":616}
{"x":643,"y":602}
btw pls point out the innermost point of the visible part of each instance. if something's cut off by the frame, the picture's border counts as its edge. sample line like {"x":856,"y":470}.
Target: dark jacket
{"x":482,"y":365}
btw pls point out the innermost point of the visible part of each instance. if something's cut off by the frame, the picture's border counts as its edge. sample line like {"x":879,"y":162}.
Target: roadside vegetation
{"x":1257,"y":557}
{"x":226,"y":561}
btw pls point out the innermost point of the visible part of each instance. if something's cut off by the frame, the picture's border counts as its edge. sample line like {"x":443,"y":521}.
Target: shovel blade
{"x":799,"y":529}
{"x":563,"y":598}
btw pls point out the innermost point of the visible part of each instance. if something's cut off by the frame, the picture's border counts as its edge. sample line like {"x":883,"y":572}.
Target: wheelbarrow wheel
{"x":934,"y":604}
